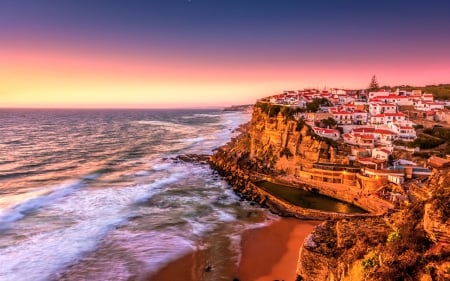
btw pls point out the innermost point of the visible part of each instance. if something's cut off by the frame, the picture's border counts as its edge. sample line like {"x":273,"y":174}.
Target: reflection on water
{"x":310,"y":200}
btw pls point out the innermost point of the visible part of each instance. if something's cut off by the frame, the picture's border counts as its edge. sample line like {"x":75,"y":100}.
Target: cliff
{"x":280,"y":144}
{"x":410,"y":244}
{"x":274,"y":146}
{"x":277,"y":147}
{"x":274,"y":143}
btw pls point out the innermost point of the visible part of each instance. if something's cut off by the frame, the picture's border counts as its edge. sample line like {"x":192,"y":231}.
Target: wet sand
{"x":268,"y":253}
{"x":271,"y":253}
{"x":187,"y":268}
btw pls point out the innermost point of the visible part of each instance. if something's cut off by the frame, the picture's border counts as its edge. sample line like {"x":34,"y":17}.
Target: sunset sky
{"x":180,"y":53}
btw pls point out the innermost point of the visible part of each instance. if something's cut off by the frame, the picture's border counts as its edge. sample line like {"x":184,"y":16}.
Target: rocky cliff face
{"x":411,"y":244}
{"x":281,"y":144}
{"x":271,"y":144}
{"x":269,"y":147}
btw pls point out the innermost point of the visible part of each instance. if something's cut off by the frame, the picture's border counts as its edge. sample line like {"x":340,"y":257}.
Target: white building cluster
{"x":371,"y":121}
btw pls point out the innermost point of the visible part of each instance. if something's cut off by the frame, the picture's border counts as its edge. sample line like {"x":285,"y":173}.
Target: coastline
{"x":268,"y":253}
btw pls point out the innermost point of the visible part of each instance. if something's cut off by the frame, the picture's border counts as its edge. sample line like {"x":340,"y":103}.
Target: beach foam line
{"x":94,"y":214}
{"x":21,"y":209}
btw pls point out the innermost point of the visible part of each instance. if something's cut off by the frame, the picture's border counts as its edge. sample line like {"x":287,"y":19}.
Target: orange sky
{"x":42,"y":76}
{"x":156,"y":54}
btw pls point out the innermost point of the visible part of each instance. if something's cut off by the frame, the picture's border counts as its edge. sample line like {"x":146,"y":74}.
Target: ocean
{"x":99,"y":194}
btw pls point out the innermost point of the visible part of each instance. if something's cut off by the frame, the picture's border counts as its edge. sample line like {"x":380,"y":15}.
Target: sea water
{"x":99,"y":194}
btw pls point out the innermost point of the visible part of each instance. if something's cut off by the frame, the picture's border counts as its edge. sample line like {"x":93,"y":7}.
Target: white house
{"x":404,"y":132}
{"x":362,"y":137}
{"x":327,"y":133}
{"x":349,"y":107}
{"x":378,"y":94}
{"x":377,"y":119}
{"x":398,"y":179}
{"x":427,"y":97}
{"x":360,"y":117}
{"x":381,"y":153}
{"x":400,"y":100}
{"x":433,"y":105}
{"x":380,"y":108}
{"x":384,"y":137}
{"x":386,"y":118}
{"x":343,"y":117}
{"x":397,"y":117}
{"x":443,"y":116}
{"x":360,"y":140}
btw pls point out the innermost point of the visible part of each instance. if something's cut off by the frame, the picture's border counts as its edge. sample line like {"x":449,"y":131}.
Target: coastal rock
{"x":194,"y":158}
{"x":321,"y":255}
{"x":410,"y":244}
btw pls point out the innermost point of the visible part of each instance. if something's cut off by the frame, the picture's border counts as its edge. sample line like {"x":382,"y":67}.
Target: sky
{"x":203,"y":53}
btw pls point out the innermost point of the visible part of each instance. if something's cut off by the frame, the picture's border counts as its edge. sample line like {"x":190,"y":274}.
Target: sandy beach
{"x":271,"y":253}
{"x":268,"y":253}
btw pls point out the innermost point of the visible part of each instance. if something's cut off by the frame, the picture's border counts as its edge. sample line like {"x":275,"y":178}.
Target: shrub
{"x":371,"y":260}
{"x":274,"y":110}
{"x":399,"y":142}
{"x":286,"y":152}
{"x":329,"y":122}
{"x":300,"y":125}
{"x":426,"y":142}
{"x":288,"y":112}
{"x":394,"y":236}
{"x":263,"y":106}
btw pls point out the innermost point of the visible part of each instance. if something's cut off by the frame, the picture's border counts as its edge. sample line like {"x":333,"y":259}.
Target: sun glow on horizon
{"x":44,"y":77}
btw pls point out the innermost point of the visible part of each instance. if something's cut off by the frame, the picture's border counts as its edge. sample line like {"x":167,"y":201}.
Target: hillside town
{"x":384,"y":151}
{"x":376,"y":126}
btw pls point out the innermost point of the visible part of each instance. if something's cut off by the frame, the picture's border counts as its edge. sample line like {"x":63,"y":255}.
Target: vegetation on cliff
{"x":411,"y":244}
{"x":440,"y":91}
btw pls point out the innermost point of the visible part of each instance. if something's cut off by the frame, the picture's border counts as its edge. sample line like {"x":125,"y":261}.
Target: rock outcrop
{"x":271,"y":146}
{"x":410,"y":244}
{"x":281,"y":144}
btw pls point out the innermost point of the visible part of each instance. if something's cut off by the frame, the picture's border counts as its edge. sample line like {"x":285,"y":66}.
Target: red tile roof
{"x":384,"y":132}
{"x":342,"y":112}
{"x":394,"y":114}
{"x":363,"y":130}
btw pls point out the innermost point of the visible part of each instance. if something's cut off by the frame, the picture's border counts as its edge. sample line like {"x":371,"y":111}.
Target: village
{"x":377,"y":128}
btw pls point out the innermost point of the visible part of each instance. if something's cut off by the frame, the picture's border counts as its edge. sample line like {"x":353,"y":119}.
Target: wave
{"x":162,"y":166}
{"x":160,"y":123}
{"x":200,"y":115}
{"x":21,"y":209}
{"x":94,"y":214}
{"x":164,"y":248}
{"x":191,"y":140}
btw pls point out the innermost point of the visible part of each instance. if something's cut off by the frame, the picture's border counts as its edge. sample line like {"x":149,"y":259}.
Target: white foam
{"x":192,"y":140}
{"x":206,"y":115}
{"x":94,"y":214}
{"x":200,"y":229}
{"x":235,"y":246}
{"x":165,"y":124}
{"x":153,"y":248}
{"x":18,"y":211}
{"x":142,"y":173}
{"x":224,"y":216}
{"x":157,"y":123}
{"x":161,"y":167}
{"x":198,"y":115}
